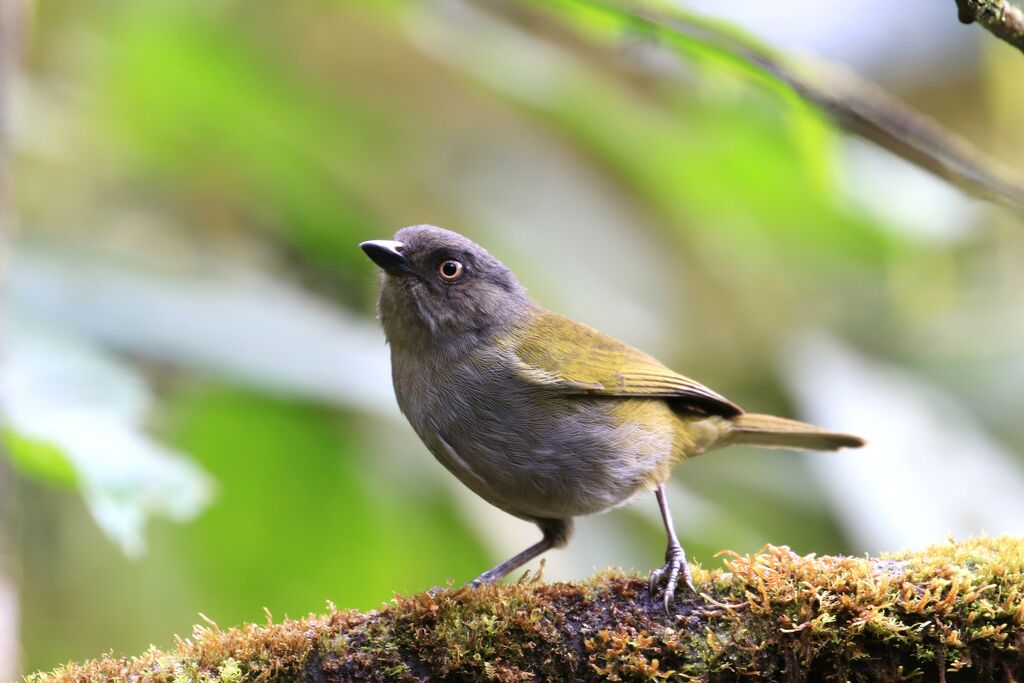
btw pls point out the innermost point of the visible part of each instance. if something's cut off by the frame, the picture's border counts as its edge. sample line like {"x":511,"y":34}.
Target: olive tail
{"x":768,"y":431}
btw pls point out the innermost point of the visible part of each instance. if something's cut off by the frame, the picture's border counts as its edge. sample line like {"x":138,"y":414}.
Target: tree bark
{"x":1002,"y":18}
{"x":951,"y":612}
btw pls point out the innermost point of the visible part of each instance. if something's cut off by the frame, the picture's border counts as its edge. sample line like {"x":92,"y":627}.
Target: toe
{"x":655,"y":579}
{"x":670,"y":585}
{"x":688,"y":578}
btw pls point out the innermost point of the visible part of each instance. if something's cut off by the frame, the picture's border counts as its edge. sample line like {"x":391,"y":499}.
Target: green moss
{"x":771,"y":615}
{"x":230,"y":672}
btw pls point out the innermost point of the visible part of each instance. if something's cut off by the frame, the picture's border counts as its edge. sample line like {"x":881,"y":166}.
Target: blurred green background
{"x":198,"y":407}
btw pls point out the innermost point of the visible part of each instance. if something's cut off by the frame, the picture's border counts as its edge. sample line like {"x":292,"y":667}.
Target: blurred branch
{"x":11,"y":27}
{"x":855,"y":105}
{"x":773,"y":616}
{"x":1001,"y":17}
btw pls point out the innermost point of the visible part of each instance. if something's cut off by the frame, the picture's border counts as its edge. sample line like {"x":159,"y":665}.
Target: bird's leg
{"x":675,"y":557}
{"x":513,"y":563}
{"x":556,"y":534}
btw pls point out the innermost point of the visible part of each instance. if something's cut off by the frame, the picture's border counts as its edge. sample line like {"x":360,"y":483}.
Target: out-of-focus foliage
{"x":75,"y":419}
{"x":192,"y":181}
{"x":305,"y":512}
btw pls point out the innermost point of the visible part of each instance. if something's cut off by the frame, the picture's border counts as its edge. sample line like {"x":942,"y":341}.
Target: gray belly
{"x":530,"y":451}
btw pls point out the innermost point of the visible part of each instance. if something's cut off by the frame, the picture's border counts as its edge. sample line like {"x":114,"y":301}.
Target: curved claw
{"x":688,"y":578}
{"x":673,"y":581}
{"x":652,"y":584}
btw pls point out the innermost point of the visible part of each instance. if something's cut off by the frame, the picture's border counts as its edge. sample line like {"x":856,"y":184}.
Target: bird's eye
{"x":450,"y":270}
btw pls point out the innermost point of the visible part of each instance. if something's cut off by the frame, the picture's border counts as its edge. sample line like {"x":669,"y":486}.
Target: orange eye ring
{"x":450,"y":270}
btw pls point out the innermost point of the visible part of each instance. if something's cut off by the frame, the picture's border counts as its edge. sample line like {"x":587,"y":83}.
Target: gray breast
{"x":524,"y":448}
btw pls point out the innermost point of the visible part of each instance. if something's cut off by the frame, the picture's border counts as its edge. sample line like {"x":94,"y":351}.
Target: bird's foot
{"x":675,"y":566}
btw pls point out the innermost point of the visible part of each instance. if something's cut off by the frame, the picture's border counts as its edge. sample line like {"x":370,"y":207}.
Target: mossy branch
{"x":951,"y":612}
{"x":1001,"y":17}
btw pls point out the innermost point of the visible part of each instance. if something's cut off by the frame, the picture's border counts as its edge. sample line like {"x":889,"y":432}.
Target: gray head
{"x":442,"y":289}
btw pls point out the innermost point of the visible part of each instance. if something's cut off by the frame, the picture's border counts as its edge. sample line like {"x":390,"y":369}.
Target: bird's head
{"x":440,"y":287}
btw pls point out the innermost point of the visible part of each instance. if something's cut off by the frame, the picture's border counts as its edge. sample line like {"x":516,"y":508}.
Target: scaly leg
{"x":556,"y":535}
{"x":675,"y":557}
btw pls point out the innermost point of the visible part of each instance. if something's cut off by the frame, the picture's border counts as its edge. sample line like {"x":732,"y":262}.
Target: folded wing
{"x":560,"y":353}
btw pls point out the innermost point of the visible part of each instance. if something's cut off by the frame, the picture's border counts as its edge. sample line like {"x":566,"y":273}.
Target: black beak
{"x":387,"y":254}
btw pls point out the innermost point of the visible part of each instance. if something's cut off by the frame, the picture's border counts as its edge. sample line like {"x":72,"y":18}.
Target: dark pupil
{"x":449,"y":268}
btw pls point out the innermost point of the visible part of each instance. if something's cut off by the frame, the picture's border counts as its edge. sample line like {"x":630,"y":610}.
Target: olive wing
{"x":560,"y":353}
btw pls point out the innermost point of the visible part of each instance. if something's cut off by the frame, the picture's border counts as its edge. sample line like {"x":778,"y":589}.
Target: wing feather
{"x":560,"y":353}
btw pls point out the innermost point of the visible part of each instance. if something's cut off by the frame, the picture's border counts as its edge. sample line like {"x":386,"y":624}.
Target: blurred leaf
{"x":611,"y":22}
{"x":310,"y":508}
{"x":69,"y":403}
{"x":307,"y":502}
{"x":39,"y":459}
{"x":217,"y":118}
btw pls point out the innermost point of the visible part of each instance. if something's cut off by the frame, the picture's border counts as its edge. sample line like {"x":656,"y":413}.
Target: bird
{"x":538,"y":414}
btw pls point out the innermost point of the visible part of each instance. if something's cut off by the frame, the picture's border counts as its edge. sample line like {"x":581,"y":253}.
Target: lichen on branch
{"x":954,"y":611}
{"x":1001,"y":17}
